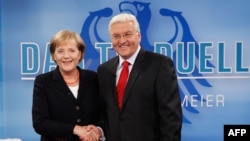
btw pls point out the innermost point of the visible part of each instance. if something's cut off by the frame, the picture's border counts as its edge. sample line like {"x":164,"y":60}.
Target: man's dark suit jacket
{"x":151,"y":105}
{"x":56,"y":111}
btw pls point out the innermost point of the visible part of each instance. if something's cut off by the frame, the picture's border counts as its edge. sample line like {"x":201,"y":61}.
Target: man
{"x":150,"y":108}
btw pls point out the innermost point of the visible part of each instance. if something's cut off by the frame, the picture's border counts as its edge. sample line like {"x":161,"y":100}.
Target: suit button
{"x":77,"y":108}
{"x":78,"y":120}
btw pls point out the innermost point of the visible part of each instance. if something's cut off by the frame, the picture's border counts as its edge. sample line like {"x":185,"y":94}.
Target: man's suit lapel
{"x":134,"y":74}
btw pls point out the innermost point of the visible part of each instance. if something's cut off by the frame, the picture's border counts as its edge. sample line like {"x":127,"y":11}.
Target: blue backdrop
{"x":208,"y":41}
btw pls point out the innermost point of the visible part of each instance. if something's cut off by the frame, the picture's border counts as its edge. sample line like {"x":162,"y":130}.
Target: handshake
{"x":89,"y":133}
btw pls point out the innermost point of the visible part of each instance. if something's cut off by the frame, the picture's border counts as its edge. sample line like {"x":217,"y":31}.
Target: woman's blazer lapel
{"x":61,"y":86}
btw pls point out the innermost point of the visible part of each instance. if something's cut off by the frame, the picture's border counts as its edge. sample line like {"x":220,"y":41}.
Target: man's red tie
{"x":122,"y":82}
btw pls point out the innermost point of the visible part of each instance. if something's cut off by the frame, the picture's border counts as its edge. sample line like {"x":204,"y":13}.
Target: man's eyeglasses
{"x":127,"y":35}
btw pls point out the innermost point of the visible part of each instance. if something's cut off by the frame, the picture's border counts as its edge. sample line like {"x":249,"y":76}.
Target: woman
{"x":66,"y":100}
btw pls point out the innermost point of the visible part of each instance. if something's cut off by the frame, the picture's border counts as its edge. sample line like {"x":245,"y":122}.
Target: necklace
{"x":75,"y":81}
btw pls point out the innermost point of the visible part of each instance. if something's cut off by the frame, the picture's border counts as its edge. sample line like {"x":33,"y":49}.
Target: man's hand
{"x":87,"y":133}
{"x":94,"y":131}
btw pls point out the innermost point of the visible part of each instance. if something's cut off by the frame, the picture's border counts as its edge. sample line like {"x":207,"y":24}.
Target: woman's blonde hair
{"x":63,"y":36}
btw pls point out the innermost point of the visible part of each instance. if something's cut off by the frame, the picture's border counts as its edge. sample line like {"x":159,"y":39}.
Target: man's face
{"x":125,"y":39}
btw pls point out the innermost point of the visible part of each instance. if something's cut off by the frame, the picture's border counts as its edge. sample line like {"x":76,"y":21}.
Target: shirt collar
{"x":131,"y":60}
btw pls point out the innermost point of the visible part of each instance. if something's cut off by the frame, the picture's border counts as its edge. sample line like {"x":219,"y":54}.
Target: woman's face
{"x":125,"y":39}
{"x":67,"y":56}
